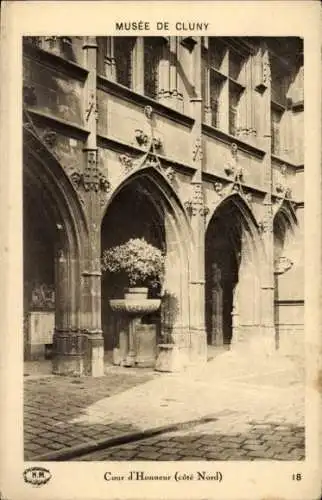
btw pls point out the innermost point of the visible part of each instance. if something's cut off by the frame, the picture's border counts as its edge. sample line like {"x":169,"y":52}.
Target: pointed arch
{"x":150,"y":186}
{"x":285,"y":214}
{"x":46,"y":182}
{"x":233,"y":230}
{"x":164,"y":191}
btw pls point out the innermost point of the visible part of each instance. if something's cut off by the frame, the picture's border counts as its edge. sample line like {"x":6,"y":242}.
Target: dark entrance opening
{"x":38,"y":274}
{"x":131,"y":214}
{"x":222,"y":260}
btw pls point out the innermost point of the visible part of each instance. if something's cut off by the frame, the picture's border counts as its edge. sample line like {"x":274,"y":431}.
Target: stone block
{"x":146,"y":345}
{"x":171,"y":358}
{"x":40,"y":331}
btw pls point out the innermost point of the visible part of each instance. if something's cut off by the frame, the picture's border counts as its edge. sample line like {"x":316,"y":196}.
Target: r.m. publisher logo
{"x":37,"y":476}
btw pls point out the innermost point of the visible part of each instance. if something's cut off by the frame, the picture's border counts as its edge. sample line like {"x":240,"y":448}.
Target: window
{"x":216,"y":87}
{"x":225,"y":95}
{"x":152,"y":57}
{"x":123,"y":47}
{"x":281,"y":121}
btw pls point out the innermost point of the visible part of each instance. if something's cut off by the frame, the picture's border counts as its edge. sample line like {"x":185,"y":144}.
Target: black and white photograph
{"x":163,"y":246}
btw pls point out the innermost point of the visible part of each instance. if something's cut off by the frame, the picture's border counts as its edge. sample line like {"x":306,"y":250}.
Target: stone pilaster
{"x":91,"y":275}
{"x":68,"y":340}
{"x":198,"y":213}
{"x":266,"y":225}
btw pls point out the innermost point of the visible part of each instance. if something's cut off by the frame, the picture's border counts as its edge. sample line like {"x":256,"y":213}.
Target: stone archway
{"x":288,"y":280}
{"x":55,"y":225}
{"x":232,"y":305}
{"x":145,"y":206}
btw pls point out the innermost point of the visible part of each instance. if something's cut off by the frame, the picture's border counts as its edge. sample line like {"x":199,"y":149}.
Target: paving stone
{"x":147,"y":455}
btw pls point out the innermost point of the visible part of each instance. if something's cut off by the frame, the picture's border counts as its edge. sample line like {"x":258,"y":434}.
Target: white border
{"x":85,"y":480}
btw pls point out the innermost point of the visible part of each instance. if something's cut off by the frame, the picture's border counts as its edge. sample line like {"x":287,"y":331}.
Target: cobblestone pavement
{"x":263,"y":441}
{"x":231,"y":409}
{"x":52,"y":402}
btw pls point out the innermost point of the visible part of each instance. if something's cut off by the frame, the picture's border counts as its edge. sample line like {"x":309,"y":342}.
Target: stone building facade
{"x":195,"y":144}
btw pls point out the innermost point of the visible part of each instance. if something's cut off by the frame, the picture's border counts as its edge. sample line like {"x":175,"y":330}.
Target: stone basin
{"x":135,"y":306}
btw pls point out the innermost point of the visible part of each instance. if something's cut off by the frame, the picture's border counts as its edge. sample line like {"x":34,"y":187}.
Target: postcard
{"x":161,"y":205}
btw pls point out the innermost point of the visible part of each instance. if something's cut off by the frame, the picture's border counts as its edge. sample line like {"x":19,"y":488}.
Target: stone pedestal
{"x":40,"y":331}
{"x":146,"y":345}
{"x":139,"y":347}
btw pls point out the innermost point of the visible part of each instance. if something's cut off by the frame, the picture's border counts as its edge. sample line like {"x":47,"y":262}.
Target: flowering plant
{"x":142,"y":263}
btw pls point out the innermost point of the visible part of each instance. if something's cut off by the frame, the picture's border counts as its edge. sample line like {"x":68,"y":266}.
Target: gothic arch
{"x":233,"y":218}
{"x":155,"y":189}
{"x":45,"y":179}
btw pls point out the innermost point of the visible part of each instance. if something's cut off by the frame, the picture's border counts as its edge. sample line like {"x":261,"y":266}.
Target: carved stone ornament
{"x":231,"y":165}
{"x":170,"y":174}
{"x":279,"y":188}
{"x":282,"y":265}
{"x":190,"y":207}
{"x":127,"y":162}
{"x":248,"y":132}
{"x":91,"y":107}
{"x":29,"y":95}
{"x":50,"y":138}
{"x":141,"y":138}
{"x":148,"y":111}
{"x":43,"y":297}
{"x":197,"y":150}
{"x":266,"y":224}
{"x":218,"y":187}
{"x":93,"y":179}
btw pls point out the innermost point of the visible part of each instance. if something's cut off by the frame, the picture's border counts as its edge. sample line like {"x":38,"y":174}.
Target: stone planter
{"x":135,"y":305}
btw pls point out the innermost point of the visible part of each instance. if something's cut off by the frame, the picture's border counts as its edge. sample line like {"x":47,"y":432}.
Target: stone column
{"x":68,"y":340}
{"x":267,"y":310}
{"x":91,"y":275}
{"x":198,"y":213}
{"x":206,"y":77}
